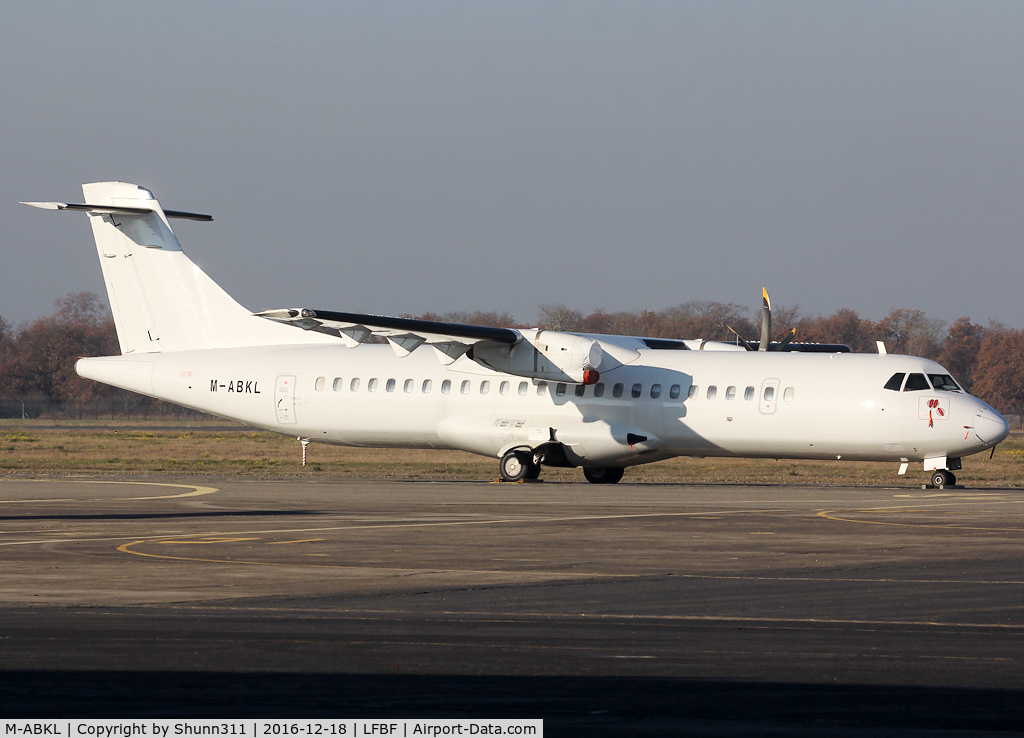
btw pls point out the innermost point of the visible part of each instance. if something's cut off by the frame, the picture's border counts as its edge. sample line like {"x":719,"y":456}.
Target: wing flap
{"x":539,"y":354}
{"x":405,"y":335}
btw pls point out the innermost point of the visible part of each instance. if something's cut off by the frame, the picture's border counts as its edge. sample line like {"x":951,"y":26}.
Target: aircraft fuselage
{"x":680,"y":403}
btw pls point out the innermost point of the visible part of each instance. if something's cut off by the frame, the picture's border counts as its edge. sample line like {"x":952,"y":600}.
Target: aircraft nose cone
{"x":990,"y":427}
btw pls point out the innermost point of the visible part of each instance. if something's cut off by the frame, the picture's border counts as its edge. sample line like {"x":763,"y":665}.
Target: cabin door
{"x":284,"y":399}
{"x":769,"y":396}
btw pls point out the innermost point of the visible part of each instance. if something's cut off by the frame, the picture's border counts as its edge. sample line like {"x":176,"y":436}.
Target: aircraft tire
{"x":514,"y":466}
{"x":942,"y":478}
{"x":532,"y":470}
{"x":603,"y":474}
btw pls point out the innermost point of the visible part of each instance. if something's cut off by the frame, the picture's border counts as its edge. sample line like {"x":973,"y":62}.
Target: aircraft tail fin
{"x":160,"y":299}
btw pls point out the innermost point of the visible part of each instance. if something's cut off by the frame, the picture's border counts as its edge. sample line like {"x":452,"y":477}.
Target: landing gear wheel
{"x":943,"y":478}
{"x":532,"y":470}
{"x":514,"y":466}
{"x":603,"y":474}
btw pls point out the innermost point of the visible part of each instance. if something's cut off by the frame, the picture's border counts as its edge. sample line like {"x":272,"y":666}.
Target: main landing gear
{"x":943,"y":478}
{"x":521,"y":464}
{"x":603,"y":474}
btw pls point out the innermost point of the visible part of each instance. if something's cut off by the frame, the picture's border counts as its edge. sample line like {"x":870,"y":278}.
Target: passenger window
{"x":895,"y":381}
{"x":944,"y":382}
{"x":542,"y":389}
{"x":390,"y":386}
{"x":320,"y":381}
{"x":748,"y":394}
{"x":712,"y":392}
{"x":916,"y":382}
{"x":485,"y":387}
{"x":354,"y":385}
{"x":427,"y":386}
{"x":769,"y":394}
{"x":408,"y":385}
{"x":730,"y":393}
{"x":638,"y":389}
{"x":338,"y":384}
{"x":674,"y":391}
{"x":788,"y":394}
{"x":464,"y":389}
{"x":692,"y":392}
{"x":617,"y":390}
{"x":503,"y":388}
{"x":655,"y":391}
{"x":524,"y":387}
{"x":446,"y":386}
{"x":560,"y":389}
{"x":599,"y":389}
{"x":371,"y":386}
{"x":580,"y":389}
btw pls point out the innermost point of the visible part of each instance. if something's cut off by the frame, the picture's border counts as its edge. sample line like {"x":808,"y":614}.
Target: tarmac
{"x":605,"y":610}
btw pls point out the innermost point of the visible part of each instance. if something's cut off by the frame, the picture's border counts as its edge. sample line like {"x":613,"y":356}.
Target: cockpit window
{"x":944,"y":382}
{"x":895,"y":381}
{"x":916,"y":382}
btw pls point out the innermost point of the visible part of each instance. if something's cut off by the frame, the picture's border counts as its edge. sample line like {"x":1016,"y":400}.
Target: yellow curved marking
{"x":127,"y":548}
{"x":828,"y":515}
{"x":307,"y":540}
{"x":410,"y":524}
{"x":405,"y":523}
{"x":197,"y":490}
{"x":214,"y":540}
{"x":565,"y":575}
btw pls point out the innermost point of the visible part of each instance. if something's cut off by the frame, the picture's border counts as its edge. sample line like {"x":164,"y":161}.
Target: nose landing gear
{"x":943,"y":478}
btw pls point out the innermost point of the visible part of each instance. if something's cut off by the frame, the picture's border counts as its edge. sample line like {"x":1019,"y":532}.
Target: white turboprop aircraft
{"x":525,"y":397}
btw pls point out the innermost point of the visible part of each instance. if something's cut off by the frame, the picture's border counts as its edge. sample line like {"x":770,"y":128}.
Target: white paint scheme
{"x":185,"y":340}
{"x":160,"y":300}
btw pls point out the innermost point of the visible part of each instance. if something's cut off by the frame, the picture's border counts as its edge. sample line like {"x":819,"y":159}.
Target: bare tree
{"x":560,"y":318}
{"x":999,"y":374}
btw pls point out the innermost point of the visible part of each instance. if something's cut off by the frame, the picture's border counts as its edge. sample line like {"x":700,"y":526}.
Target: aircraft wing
{"x":450,"y":340}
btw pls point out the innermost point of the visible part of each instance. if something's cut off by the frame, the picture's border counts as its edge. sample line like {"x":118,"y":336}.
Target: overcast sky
{"x":405,"y":157}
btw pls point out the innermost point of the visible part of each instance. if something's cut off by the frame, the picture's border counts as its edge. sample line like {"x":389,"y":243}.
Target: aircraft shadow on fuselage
{"x":646,"y":376}
{"x":643,"y":411}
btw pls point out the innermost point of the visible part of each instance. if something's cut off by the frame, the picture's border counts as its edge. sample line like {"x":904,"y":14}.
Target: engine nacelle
{"x":548,"y":355}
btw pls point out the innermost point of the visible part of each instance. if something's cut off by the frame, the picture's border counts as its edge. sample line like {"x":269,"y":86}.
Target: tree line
{"x":37,"y":358}
{"x":37,"y":366}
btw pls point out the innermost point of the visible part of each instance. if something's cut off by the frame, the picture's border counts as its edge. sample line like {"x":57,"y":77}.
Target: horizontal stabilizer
{"x":116,"y":210}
